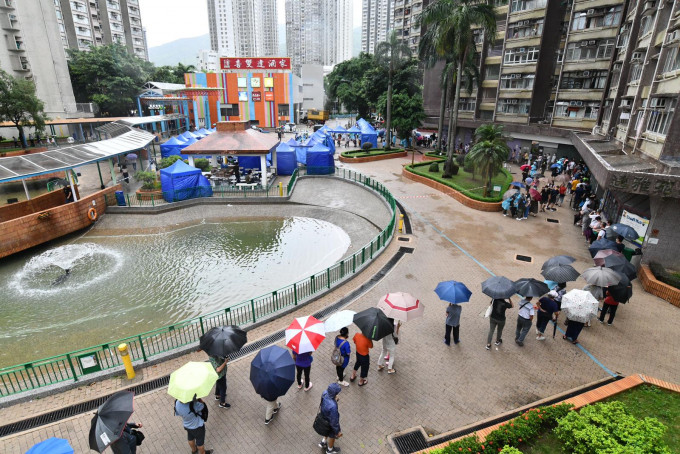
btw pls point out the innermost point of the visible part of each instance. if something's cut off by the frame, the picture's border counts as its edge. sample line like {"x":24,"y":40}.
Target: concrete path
{"x":435,"y":386}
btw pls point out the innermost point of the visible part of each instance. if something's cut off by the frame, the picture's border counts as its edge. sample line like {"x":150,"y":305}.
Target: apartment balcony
{"x":575,"y":123}
{"x":583,"y":94}
{"x":12,"y":23}
{"x":516,"y":93}
{"x":16,"y":46}
{"x":21,"y":64}
{"x":113,"y":6}
{"x":6,"y":4}
{"x":586,"y":65}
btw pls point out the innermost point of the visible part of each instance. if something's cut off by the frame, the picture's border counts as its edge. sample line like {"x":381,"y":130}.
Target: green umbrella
{"x":192,"y":379}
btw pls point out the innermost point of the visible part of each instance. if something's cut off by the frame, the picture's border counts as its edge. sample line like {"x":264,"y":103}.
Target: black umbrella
{"x":622,"y":291}
{"x":373,"y":323}
{"x":601,"y":245}
{"x":621,"y":265}
{"x":110,"y":419}
{"x":222,"y":340}
{"x":272,"y":372}
{"x":531,"y":287}
{"x":625,"y":231}
{"x":498,"y":287}
{"x":558,"y":260}
{"x":561,"y":273}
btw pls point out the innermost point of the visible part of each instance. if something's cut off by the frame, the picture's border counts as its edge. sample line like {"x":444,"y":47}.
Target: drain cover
{"x":401,"y":238}
{"x":556,"y":221}
{"x":523,"y":258}
{"x":406,"y":250}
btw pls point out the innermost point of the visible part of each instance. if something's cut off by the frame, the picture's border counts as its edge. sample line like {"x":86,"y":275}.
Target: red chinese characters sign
{"x":254,"y":63}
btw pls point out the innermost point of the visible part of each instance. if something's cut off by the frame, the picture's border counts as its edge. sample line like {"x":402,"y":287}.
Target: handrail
{"x":150,"y":344}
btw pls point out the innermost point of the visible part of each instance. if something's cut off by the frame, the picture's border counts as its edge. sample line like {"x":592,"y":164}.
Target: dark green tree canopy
{"x":407,"y":112}
{"x":20,"y":105}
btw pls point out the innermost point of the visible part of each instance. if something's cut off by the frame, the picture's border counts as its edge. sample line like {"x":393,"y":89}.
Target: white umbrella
{"x":579,"y":305}
{"x":339,"y":320}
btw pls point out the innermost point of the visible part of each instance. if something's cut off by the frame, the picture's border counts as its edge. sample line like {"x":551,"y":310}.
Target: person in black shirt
{"x":497,"y":320}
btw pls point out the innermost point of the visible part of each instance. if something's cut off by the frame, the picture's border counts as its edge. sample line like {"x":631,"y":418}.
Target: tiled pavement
{"x":436,"y":386}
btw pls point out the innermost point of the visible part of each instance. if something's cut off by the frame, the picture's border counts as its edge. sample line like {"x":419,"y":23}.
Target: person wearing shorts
{"x":193,"y":424}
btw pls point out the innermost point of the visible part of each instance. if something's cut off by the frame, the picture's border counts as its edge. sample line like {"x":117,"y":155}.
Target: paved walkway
{"x":438,"y":387}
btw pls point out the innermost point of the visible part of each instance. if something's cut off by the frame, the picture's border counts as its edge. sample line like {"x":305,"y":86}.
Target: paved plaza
{"x":438,"y":387}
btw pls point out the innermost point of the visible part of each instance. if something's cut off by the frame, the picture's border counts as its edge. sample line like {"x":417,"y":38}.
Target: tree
{"x":109,"y":76}
{"x":489,"y":152}
{"x":347,"y":83}
{"x":181,"y":69}
{"x":20,"y":105}
{"x":391,"y":54}
{"x":407,"y":114}
{"x":450,"y":22}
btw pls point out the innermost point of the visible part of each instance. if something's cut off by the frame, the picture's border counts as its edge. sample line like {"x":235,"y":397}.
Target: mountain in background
{"x":182,"y":50}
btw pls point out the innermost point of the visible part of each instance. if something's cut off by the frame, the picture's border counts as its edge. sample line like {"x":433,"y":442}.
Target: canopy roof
{"x":64,"y":158}
{"x":180,"y":168}
{"x":234,"y":138}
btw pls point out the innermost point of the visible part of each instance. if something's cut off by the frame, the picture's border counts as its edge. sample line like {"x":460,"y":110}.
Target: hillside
{"x":180,"y":51}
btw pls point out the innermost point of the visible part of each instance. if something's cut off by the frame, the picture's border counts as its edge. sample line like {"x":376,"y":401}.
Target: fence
{"x":143,"y":347}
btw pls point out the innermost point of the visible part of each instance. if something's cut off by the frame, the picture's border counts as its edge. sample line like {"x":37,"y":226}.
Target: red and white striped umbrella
{"x":305,"y":334}
{"x":401,"y":306}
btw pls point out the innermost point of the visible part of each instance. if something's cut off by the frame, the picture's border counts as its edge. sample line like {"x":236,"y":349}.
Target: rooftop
{"x":234,"y":137}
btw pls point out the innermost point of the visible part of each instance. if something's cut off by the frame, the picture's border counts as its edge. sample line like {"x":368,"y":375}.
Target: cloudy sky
{"x":168,"y":20}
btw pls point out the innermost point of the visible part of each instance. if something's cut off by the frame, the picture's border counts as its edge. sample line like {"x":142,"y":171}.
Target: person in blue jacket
{"x":303,"y":363}
{"x":342,"y":342}
{"x":329,"y":409}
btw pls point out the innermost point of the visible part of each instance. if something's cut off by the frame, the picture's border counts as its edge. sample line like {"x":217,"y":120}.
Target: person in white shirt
{"x":525,"y":316}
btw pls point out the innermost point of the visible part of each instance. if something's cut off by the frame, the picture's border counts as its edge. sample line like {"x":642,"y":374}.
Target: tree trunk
{"x":22,"y":136}
{"x":453,"y":121}
{"x":388,"y":114}
{"x":442,"y":113}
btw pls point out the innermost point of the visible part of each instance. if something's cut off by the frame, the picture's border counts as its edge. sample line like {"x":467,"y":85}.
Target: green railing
{"x":145,"y":346}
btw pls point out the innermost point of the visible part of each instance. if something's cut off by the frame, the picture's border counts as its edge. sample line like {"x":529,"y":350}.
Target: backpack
{"x":203,"y":414}
{"x":336,"y":355}
{"x":139,"y":436}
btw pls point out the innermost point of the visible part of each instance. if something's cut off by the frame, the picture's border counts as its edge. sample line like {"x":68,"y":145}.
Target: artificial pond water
{"x":122,"y":285}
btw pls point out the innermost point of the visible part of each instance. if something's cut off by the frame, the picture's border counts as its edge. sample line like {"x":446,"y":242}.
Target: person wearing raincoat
{"x":329,"y":409}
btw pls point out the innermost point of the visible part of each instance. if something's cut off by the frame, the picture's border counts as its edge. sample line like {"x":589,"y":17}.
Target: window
{"x":577,"y":109}
{"x":524,"y":5}
{"x":590,"y":50}
{"x":616,"y":74}
{"x":520,"y":55}
{"x":492,"y":72}
{"x":646,"y":24}
{"x":660,"y":115}
{"x":283,"y":110}
{"x":467,"y":104}
{"x":229,"y":110}
{"x":517,"y":81}
{"x":591,"y":80}
{"x":605,"y":48}
{"x":596,"y":18}
{"x":672,"y":60}
{"x":525,"y":29}
{"x":607,"y":110}
{"x":635,"y":73}
{"x":513,"y":106}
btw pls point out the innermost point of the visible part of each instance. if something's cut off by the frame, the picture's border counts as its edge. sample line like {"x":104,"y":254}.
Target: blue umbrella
{"x":51,"y":446}
{"x":453,"y":292}
{"x":517,"y":184}
{"x":272,"y":372}
{"x":556,"y":165}
{"x":551,"y":284}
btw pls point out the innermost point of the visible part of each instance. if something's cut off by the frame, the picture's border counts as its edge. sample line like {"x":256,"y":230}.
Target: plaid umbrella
{"x":558,"y":260}
{"x":560,"y":273}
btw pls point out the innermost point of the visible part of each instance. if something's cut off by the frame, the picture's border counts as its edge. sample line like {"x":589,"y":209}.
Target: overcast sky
{"x":168,"y":20}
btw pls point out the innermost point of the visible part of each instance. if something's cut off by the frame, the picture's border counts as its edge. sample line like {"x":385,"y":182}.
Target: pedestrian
{"x":342,"y":344}
{"x":363,"y":345}
{"x":220,"y":366}
{"x":602,"y":233}
{"x":127,"y":443}
{"x":525,"y":316}
{"x":563,"y":193}
{"x":194,"y":424}
{"x":16,"y":144}
{"x":547,"y":310}
{"x":573,"y":330}
{"x":273,"y":407}
{"x":609,"y":305}
{"x":497,"y":320}
{"x":619,"y":244}
{"x":389,"y":349}
{"x":303,"y":364}
{"x":521,"y":207}
{"x":452,"y":323}
{"x":330,"y":412}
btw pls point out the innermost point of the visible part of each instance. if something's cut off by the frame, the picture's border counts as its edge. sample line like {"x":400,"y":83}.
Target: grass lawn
{"x":464,"y":182}
{"x":642,"y":401}
{"x":371,"y":152}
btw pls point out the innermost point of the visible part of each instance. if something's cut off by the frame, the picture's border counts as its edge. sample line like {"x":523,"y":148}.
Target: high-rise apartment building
{"x":243,"y":28}
{"x":87,"y":23}
{"x":33,"y":51}
{"x":318,"y":32}
{"x":376,"y":23}
{"x":404,"y":21}
{"x":592,"y":80}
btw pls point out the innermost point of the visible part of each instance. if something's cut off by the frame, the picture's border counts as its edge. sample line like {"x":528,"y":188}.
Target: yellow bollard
{"x":401,"y":223}
{"x":125,"y":354}
{"x":280,"y":189}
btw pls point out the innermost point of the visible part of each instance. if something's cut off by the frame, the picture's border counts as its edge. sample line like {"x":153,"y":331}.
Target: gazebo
{"x":235,"y":138}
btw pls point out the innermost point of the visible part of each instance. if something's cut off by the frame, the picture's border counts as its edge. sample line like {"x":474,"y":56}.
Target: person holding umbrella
{"x":193,"y":423}
{"x":330,"y":412}
{"x":220,"y":366}
{"x":498,"y":288}
{"x":363,"y":345}
{"x":218,"y":343}
{"x":304,"y":336}
{"x":609,"y":305}
{"x":303,"y":364}
{"x":342,"y":344}
{"x":548,"y":309}
{"x":389,"y":348}
{"x":525,"y":316}
{"x":272,"y":372}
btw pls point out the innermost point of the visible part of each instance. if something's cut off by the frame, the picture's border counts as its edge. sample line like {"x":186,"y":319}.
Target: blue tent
{"x":173,"y":147}
{"x":180,"y":181}
{"x":204,"y":131}
{"x":285,"y":159}
{"x":354,"y":129}
{"x":323,"y":138}
{"x":339,"y":130}
{"x":320,"y":160}
{"x":292,"y":142}
{"x":301,"y":150}
{"x":368,"y":133}
{"x":190,"y":135}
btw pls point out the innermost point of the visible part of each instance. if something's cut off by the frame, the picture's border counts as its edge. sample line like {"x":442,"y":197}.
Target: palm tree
{"x":392,"y":54}
{"x":451,"y":23}
{"x":181,"y":69}
{"x":489,"y":152}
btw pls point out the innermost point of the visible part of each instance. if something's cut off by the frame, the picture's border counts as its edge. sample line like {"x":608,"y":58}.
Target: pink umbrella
{"x":305,"y":334}
{"x":601,"y":255}
{"x":401,"y":306}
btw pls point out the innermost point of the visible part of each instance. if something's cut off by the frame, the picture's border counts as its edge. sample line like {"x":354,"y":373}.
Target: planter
{"x":658,"y":288}
{"x":378,"y":157}
{"x":148,"y":194}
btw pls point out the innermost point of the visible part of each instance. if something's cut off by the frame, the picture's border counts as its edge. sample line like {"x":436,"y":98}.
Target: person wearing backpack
{"x":340,"y":355}
{"x":193,"y":419}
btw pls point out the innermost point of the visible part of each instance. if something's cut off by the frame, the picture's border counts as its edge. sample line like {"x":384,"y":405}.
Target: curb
{"x":380,"y":157}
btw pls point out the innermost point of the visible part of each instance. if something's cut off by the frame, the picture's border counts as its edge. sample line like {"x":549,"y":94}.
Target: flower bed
{"x":654,"y":286}
{"x":373,"y":154}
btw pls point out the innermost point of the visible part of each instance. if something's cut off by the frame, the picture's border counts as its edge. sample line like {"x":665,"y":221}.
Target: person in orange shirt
{"x":363,"y":345}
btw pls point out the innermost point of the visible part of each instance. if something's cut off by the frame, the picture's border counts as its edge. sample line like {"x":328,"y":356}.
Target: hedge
{"x":370,"y":152}
{"x":664,"y":276}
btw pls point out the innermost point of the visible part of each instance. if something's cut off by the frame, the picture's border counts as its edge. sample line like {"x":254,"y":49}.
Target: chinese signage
{"x":652,"y":184}
{"x":254,"y":63}
{"x":268,"y":95}
{"x":639,"y":223}
{"x":257,"y":96}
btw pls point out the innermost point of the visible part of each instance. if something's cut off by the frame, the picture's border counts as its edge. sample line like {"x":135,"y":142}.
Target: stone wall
{"x":39,"y":227}
{"x":658,"y":288}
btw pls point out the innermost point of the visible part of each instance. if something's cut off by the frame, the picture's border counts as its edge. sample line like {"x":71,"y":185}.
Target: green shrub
{"x":434,"y":167}
{"x":467,"y":444}
{"x":664,"y":276}
{"x":609,"y":428}
{"x":454,"y":169}
{"x":467,"y":164}
{"x":460,"y":160}
{"x":203,"y":164}
{"x":170,"y":160}
{"x":366,"y":146}
{"x":510,"y":450}
{"x":148,"y":179}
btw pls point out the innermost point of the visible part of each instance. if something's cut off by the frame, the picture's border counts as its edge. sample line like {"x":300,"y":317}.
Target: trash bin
{"x":628,"y":253}
{"x":120,"y":198}
{"x":636,"y":258}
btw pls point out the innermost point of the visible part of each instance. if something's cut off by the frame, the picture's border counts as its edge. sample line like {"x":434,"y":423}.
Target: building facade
{"x":404,"y":21}
{"x":313,"y":92}
{"x":376,"y":23}
{"x":603,"y":86}
{"x":207,"y":61}
{"x":32,"y":51}
{"x":84,"y":24}
{"x":243,"y":28}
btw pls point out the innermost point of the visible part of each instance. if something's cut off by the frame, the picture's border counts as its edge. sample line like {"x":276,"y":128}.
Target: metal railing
{"x":143,"y":347}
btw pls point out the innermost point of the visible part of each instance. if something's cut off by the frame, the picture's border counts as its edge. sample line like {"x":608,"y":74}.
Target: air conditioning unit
{"x":583,"y":44}
{"x":575,"y":103}
{"x":12,"y":16}
{"x":527,"y":22}
{"x":518,"y":76}
{"x":513,"y":76}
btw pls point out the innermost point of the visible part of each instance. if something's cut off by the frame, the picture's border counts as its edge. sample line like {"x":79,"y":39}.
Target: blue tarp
{"x":204,"y":131}
{"x":320,"y":160}
{"x":324,"y":139}
{"x":189,"y":135}
{"x":292,"y":143}
{"x":173,"y":147}
{"x":249,"y":162}
{"x":286,"y":159}
{"x":339,"y":130}
{"x":368,"y":133}
{"x":180,"y":181}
